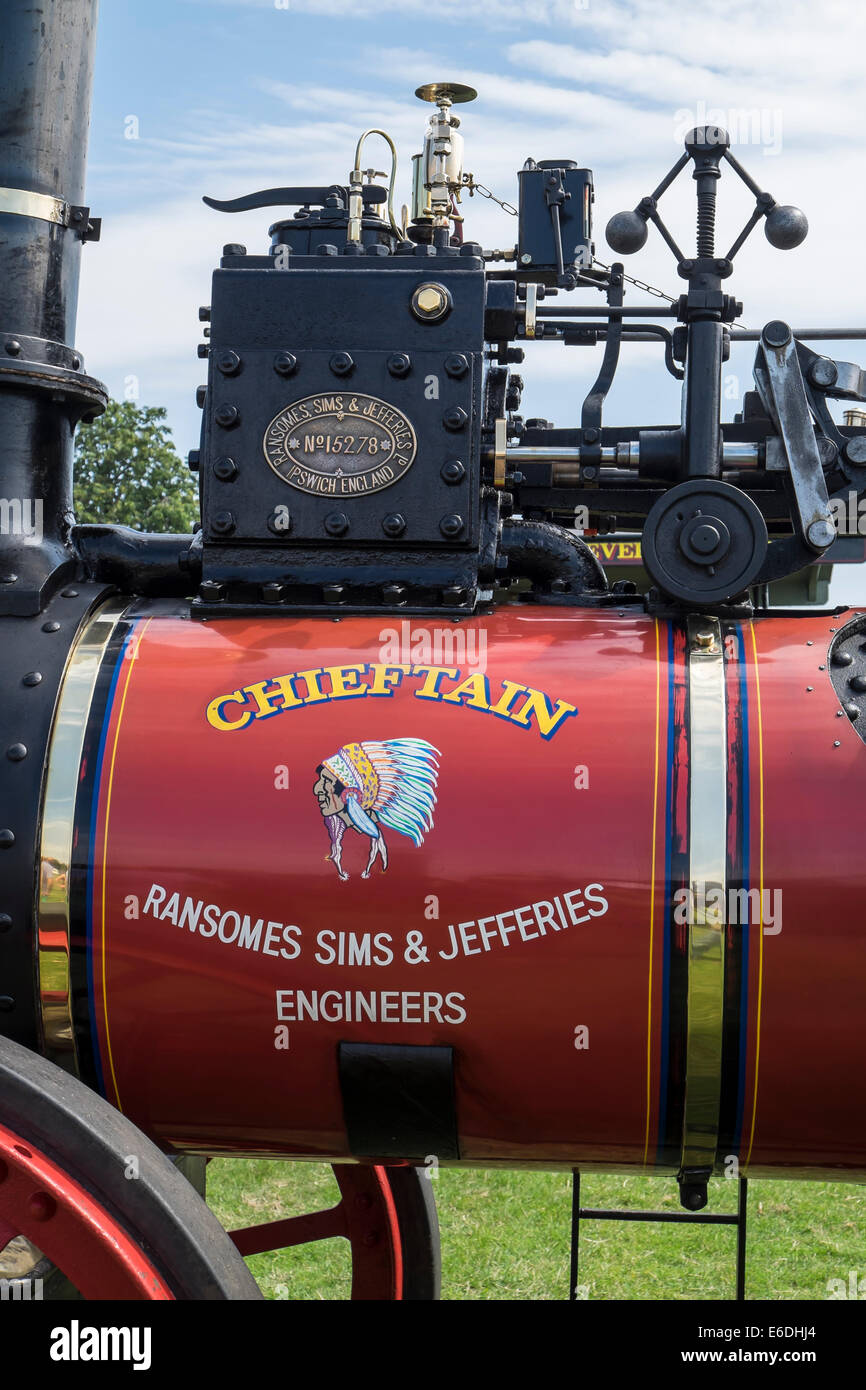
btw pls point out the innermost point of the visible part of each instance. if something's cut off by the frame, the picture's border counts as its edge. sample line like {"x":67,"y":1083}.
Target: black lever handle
{"x":295,"y":197}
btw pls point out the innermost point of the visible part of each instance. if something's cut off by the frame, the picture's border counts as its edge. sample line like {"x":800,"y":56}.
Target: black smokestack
{"x":46,"y":72}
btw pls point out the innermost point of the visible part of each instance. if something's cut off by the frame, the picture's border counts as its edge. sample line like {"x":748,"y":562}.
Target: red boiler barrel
{"x":550,"y":886}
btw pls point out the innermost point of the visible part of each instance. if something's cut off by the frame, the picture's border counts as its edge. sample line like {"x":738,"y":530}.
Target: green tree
{"x":128,"y":471}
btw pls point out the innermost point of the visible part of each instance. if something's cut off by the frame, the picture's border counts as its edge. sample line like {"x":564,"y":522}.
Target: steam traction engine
{"x":313,"y":838}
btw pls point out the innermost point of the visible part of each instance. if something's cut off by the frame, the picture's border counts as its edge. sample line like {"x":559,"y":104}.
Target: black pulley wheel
{"x":704,"y":542}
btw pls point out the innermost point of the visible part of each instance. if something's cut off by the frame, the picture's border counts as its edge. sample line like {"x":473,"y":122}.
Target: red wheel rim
{"x":365,"y":1216}
{"x":70,"y":1226}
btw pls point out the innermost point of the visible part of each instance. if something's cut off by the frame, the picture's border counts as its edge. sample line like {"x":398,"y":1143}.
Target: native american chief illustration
{"x":370,"y":785}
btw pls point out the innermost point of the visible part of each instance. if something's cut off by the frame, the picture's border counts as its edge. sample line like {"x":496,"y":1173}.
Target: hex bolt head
{"x":455,"y":418}
{"x":204,"y":313}
{"x":430,"y":302}
{"x":456,"y":364}
{"x":228,"y":362}
{"x":453,"y":471}
{"x":227,"y":416}
{"x":341,"y":364}
{"x":211,"y":591}
{"x":454,"y":597}
{"x":202,"y":350}
{"x":334,"y":593}
{"x":272,"y":592}
{"x":395,"y":593}
{"x":234,"y":248}
{"x":336,"y":523}
{"x":223,"y":523}
{"x":193,"y":459}
{"x":200,"y":396}
{"x":393,"y":524}
{"x":399,"y":364}
{"x":225,"y":469}
{"x":285,"y":363}
{"x":451,"y":525}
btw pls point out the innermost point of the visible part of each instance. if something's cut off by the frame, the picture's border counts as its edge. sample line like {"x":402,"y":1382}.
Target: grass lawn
{"x":505,"y":1235}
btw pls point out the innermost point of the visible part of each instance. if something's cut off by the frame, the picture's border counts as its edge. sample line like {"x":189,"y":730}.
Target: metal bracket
{"x":24,"y":203}
{"x":780,"y":382}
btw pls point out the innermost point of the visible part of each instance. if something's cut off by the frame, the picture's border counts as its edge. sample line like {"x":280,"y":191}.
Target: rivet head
{"x":8,"y":578}
{"x":227,"y":416}
{"x":451,"y":525}
{"x":16,"y":752}
{"x":858,"y":683}
{"x":842,"y":659}
{"x":7,"y":1004}
{"x":393,"y":524}
{"x":42,"y":1206}
{"x":430,"y":302}
{"x":7,"y":839}
{"x":336,"y":523}
{"x":852,"y":710}
{"x":13,"y":347}
{"x":69,"y":593}
{"x":836,"y":743}
{"x":5,"y":922}
{"x":285,"y":363}
{"x":32,"y":678}
{"x":225,"y":469}
{"x":341,"y":363}
{"x":51,"y":627}
{"x":228,"y":362}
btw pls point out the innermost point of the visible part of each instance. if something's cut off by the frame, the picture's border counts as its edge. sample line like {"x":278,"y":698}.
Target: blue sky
{"x":231,"y":95}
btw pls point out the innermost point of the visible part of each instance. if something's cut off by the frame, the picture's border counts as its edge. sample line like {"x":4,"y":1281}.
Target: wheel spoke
{"x":292,"y":1230}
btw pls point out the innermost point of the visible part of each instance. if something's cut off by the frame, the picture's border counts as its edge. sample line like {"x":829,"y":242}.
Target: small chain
{"x":642,"y":285}
{"x":485,"y":193}
{"x":639,"y":284}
